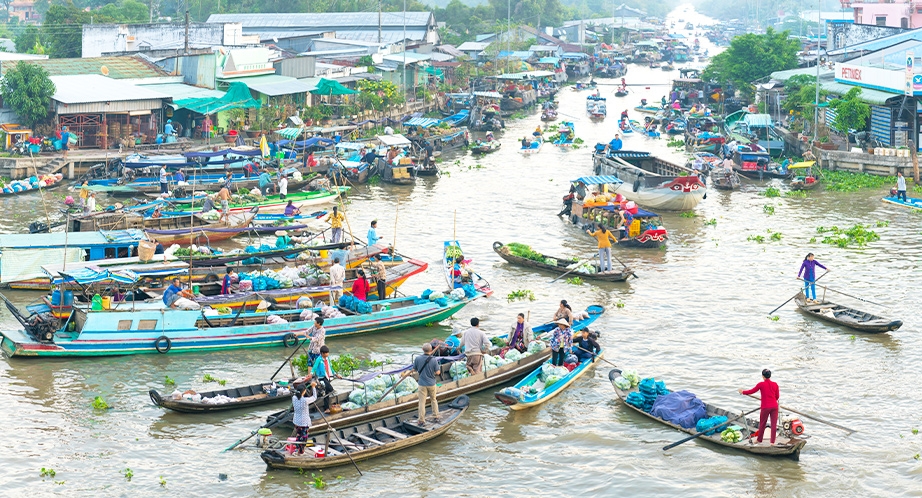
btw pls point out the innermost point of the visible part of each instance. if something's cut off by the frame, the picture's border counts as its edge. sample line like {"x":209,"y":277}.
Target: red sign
{"x":851,"y":73}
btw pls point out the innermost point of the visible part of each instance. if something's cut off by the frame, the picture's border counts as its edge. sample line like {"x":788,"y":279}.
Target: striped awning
{"x":289,"y":133}
{"x":599,"y":180}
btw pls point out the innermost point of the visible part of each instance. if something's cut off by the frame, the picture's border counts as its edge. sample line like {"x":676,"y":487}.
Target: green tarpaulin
{"x":237,"y":97}
{"x":331,"y":87}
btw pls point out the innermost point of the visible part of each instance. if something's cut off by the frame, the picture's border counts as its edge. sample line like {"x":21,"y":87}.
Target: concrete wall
{"x":867,"y":13}
{"x":101,"y":39}
{"x":847,"y":34}
{"x":868,"y":163}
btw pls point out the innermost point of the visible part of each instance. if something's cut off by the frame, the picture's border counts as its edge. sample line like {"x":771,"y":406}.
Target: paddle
{"x":268,"y":425}
{"x":846,"y":429}
{"x":597,"y":356}
{"x":851,"y":296}
{"x":718,"y":428}
{"x":795,"y":295}
{"x":306,"y":339}
{"x":345,"y":448}
{"x":578,"y":265}
{"x":625,"y":266}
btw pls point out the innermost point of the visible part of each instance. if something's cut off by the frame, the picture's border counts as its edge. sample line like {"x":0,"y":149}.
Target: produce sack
{"x":632,"y":376}
{"x":622,"y":383}
{"x":635,"y":399}
{"x":708,"y":425}
{"x":536,"y":346}
{"x":681,"y":408}
{"x":513,"y":355}
{"x":349,"y":406}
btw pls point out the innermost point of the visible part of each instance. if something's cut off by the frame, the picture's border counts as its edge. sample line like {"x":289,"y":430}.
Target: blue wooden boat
{"x":534,"y":391}
{"x":640,"y":129}
{"x":910,"y":202}
{"x":147,"y":327}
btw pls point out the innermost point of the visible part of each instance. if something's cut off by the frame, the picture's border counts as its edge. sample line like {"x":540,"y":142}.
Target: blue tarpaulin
{"x":681,"y":408}
{"x":310,"y":142}
{"x":87,"y":276}
{"x":599,"y":180}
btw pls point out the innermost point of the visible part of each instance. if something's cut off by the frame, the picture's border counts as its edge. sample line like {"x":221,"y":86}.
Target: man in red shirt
{"x":768,"y":390}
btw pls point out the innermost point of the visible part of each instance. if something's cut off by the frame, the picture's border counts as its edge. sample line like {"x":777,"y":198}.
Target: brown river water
{"x":696,"y":318}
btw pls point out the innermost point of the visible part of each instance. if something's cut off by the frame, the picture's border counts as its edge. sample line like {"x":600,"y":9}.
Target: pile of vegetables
{"x":730,"y":435}
{"x":453,"y":252}
{"x":632,"y":377}
{"x":194,"y":250}
{"x":525,"y":251}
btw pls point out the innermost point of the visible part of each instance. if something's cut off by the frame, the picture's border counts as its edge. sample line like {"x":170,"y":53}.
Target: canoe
{"x":910,"y":202}
{"x":273,"y":204}
{"x":529,"y":399}
{"x":486,"y":147}
{"x":534,"y":146}
{"x":367,"y":439}
{"x":723,"y":179}
{"x":562,"y":266}
{"x":244,"y":397}
{"x":784,"y":446}
{"x":448,"y":388}
{"x":452,"y":252}
{"x":799,"y":184}
{"x":236,"y":223}
{"x":648,"y":109}
{"x":847,"y":317}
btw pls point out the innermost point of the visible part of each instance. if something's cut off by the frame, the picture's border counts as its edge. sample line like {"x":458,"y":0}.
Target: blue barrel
{"x":68,"y":298}
{"x":56,"y":297}
{"x":57,"y":144}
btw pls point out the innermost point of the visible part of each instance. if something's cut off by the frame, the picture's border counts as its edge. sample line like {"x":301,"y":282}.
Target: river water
{"x":696,"y":318}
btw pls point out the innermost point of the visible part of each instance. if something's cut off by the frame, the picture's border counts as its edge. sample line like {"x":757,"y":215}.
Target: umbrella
{"x":264,"y":146}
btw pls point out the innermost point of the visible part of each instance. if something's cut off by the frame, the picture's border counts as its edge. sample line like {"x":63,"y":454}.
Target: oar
{"x":795,"y":295}
{"x":853,"y":297}
{"x":306,"y":339}
{"x":268,"y":425}
{"x":719,"y":427}
{"x":599,"y":357}
{"x":624,"y":265}
{"x":846,"y":429}
{"x":345,"y":449}
{"x":578,"y":264}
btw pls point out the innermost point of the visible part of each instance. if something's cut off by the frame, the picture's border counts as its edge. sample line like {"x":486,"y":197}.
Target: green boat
{"x":272,"y":203}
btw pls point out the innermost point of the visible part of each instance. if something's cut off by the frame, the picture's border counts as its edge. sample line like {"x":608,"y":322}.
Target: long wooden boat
{"x":209,"y":185}
{"x":847,"y":317}
{"x":638,"y":128}
{"x":542,"y":393}
{"x":562,"y":266}
{"x":910,"y":202}
{"x":146,"y":328}
{"x":448,"y":388}
{"x":453,"y":255}
{"x":784,"y":446}
{"x":485,"y":147}
{"x":243,"y":397}
{"x":646,"y":231}
{"x":273,"y":203}
{"x":367,"y":439}
{"x":723,"y":179}
{"x":650,"y":181}
{"x":215,"y":231}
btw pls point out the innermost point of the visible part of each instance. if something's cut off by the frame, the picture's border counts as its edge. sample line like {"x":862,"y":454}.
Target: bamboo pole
{"x":396,"y":217}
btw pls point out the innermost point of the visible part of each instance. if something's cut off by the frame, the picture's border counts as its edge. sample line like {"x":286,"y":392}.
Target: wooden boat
{"x":784,"y":446}
{"x":448,"y":388}
{"x":652,"y":133}
{"x":723,"y":179}
{"x":534,"y":146}
{"x":548,"y":115}
{"x":236,"y":223}
{"x":648,"y":109}
{"x":16,"y":187}
{"x":847,"y":317}
{"x":802,"y":177}
{"x":367,"y":439}
{"x":646,"y":231}
{"x":650,"y":181}
{"x":486,"y":147}
{"x":453,"y":262}
{"x":543,"y":393}
{"x":244,"y":397}
{"x":910,"y":202}
{"x":667,"y":67}
{"x":563,"y":265}
{"x":273,"y":203}
{"x":621,"y":92}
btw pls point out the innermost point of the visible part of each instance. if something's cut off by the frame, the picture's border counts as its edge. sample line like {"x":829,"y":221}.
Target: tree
{"x":851,"y":113}
{"x":27,"y":90}
{"x":751,"y":57}
{"x":27,"y":39}
{"x":62,"y":30}
{"x":801,"y":95}
{"x":128,"y":11}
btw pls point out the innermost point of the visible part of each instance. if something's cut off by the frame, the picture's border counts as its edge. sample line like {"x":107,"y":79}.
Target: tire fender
{"x":163,"y":349}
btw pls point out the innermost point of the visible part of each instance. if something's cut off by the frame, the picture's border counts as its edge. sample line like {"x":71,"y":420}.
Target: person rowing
{"x":808,"y":270}
{"x":769,"y":393}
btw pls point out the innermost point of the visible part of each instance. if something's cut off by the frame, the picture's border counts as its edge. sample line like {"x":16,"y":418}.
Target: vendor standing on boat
{"x":164,"y":180}
{"x":373,"y":233}
{"x":335,"y":219}
{"x":379,"y":273}
{"x":224,"y":196}
{"x":900,"y":186}
{"x":427,"y":367}
{"x":301,"y":405}
{"x":604,"y":238}
{"x":768,"y":391}
{"x":808,"y":270}
{"x":521,"y":334}
{"x":317,"y":337}
{"x":474,"y":343}
{"x":360,"y":286}
{"x":323,"y":371}
{"x":337,"y":279}
{"x":561,"y":342}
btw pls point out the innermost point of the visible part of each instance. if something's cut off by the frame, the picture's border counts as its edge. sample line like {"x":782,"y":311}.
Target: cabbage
{"x":632,"y":376}
{"x":408,"y":384}
{"x":376,"y":384}
{"x":536,"y":346}
{"x":389,"y":380}
{"x":513,"y":392}
{"x":622,"y":383}
{"x":374,"y":396}
{"x":357,"y":396}
{"x":550,"y":380}
{"x":458,"y":370}
{"x":348,"y":405}
{"x":513,"y":355}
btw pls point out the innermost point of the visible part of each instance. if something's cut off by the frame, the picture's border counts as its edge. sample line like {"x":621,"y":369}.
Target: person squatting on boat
{"x":564,"y":312}
{"x":587,"y":348}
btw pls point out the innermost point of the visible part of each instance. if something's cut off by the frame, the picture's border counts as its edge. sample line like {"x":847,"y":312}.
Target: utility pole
{"x":816,"y":107}
{"x":186,"y":49}
{"x":379,"y":22}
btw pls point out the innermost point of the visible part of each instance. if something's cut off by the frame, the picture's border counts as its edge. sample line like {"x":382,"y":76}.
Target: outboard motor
{"x":38,"y":227}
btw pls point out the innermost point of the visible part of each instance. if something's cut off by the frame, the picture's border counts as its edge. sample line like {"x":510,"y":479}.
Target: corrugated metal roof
{"x":472,"y":46}
{"x":875,"y":97}
{"x":758,"y":120}
{"x":88,"y":88}
{"x":180,"y":91}
{"x":598,"y":180}
{"x":326,"y":20}
{"x":783,"y":76}
{"x":116,"y":67}
{"x":73,"y":239}
{"x":411,"y":57}
{"x":274,"y":85}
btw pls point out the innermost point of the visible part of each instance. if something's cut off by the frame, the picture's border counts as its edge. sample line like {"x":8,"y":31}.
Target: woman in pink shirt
{"x":768,"y":390}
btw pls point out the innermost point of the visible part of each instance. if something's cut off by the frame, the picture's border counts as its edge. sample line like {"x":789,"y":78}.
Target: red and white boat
{"x":650,"y":181}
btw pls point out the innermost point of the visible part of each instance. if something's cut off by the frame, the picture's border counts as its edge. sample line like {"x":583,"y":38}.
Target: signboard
{"x":910,"y":59}
{"x":877,"y":78}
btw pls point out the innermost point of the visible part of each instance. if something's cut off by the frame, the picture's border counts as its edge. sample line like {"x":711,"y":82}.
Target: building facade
{"x":892,"y":13}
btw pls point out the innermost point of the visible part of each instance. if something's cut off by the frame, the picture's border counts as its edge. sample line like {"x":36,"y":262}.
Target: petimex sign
{"x":877,"y":78}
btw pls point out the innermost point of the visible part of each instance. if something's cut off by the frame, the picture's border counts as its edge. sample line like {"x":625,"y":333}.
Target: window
{"x":147,"y":325}
{"x":904,"y":22}
{"x":124,"y":325}
{"x":881,"y":20}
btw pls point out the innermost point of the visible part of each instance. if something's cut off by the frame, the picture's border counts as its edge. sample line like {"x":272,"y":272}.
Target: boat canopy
{"x":489,"y":95}
{"x":758,"y":120}
{"x":87,"y":276}
{"x":394,"y":140}
{"x":422,"y":122}
{"x":599,"y":180}
{"x":641,"y":213}
{"x":802,"y":165}
{"x":310,"y":142}
{"x":249,"y":152}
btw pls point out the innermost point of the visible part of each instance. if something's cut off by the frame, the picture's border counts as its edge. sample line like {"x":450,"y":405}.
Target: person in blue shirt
{"x":454,"y":343}
{"x":322,"y":369}
{"x":180,"y":177}
{"x":174,"y":288}
{"x":373,"y":233}
{"x":616,"y":143}
{"x":265,"y":183}
{"x":168,"y":127}
{"x":227,"y":282}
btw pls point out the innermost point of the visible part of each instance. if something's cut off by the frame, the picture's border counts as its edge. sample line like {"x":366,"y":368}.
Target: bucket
{"x":291,"y":447}
{"x":320,"y":453}
{"x":106,"y":302}
{"x":195,"y":289}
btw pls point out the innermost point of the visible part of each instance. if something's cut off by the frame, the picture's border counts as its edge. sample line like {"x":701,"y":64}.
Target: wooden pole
{"x":396,"y":217}
{"x":342,"y":208}
{"x":915,"y":161}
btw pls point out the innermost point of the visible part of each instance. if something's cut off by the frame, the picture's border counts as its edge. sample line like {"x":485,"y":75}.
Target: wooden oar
{"x":345,"y":449}
{"x":624,"y":265}
{"x":268,"y":425}
{"x":851,"y":296}
{"x":306,"y":339}
{"x":846,"y":429}
{"x":795,"y":295}
{"x":597,"y":356}
{"x":578,"y":264}
{"x":718,"y":428}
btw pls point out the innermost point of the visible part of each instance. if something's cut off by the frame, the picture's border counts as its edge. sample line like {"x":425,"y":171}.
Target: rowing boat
{"x":273,"y":203}
{"x":561,"y":265}
{"x":457,"y":271}
{"x":847,"y":317}
{"x":535,"y":391}
{"x":485,"y":147}
{"x":910,"y":202}
{"x":235,"y":224}
{"x":237,"y":397}
{"x":367,"y":439}
{"x":448,"y":388}
{"x":784,"y":446}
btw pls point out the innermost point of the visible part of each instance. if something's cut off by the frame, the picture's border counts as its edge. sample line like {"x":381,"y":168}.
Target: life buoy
{"x":290,"y":340}
{"x":165,"y":349}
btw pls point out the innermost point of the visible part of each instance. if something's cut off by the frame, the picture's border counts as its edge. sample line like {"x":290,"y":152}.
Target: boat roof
{"x":394,"y":140}
{"x":422,"y":122}
{"x":72,"y":239}
{"x":633,"y":154}
{"x":599,"y":180}
{"x":87,"y":276}
{"x":802,"y":165}
{"x":489,"y":95}
{"x":758,"y":120}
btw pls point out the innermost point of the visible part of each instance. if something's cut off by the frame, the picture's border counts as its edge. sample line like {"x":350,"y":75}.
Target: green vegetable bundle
{"x":453,"y":252}
{"x":524,"y":251}
{"x":731,"y":435}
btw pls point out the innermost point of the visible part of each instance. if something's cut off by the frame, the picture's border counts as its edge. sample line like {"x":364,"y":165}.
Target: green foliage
{"x":128,"y":474}
{"x":124,"y":11}
{"x":49,"y":472}
{"x":751,"y":57}
{"x":342,"y":364}
{"x":857,"y":234}
{"x":162,"y":482}
{"x":27,"y":90}
{"x":575,"y":281}
{"x":378,"y":95}
{"x":774,"y":318}
{"x":882,"y":223}
{"x":712,"y":222}
{"x":796,"y":193}
{"x":619,"y":304}
{"x":801,"y":95}
{"x":100,"y":404}
{"x":768,"y":209}
{"x":756,"y":238}
{"x":771,"y":192}
{"x":317,"y":481}
{"x":62,"y":29}
{"x":168,"y":381}
{"x":688,"y":214}
{"x":28,"y":39}
{"x":851,"y":113}
{"x":520,"y":295}
{"x":844,"y":181}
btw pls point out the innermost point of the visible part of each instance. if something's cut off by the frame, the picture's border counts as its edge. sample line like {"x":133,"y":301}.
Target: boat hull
{"x":847,"y":317}
{"x":556,"y":389}
{"x":911,"y":202}
{"x":612,"y":276}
